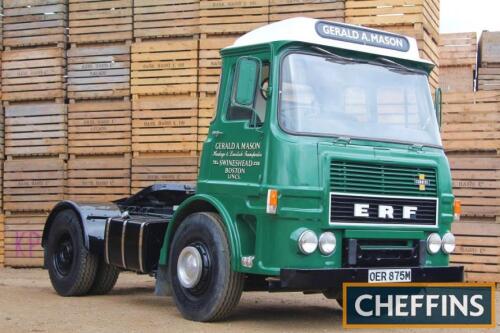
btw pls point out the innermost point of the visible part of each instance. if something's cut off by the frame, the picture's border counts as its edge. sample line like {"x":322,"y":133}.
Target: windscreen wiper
{"x":398,"y":65}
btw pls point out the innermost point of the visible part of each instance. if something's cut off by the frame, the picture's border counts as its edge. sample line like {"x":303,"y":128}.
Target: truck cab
{"x":323,"y":165}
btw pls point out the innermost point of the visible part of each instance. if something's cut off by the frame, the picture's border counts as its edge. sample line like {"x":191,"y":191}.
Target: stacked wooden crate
{"x":320,"y":9}
{"x":99,"y":109}
{"x":488,"y":77}
{"x":471,"y":136}
{"x":33,"y":86}
{"x":457,"y":61}
{"x":164,"y":107}
{"x":415,"y":18}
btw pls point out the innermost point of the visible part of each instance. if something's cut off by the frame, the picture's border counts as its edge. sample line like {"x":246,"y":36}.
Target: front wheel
{"x":204,"y":286}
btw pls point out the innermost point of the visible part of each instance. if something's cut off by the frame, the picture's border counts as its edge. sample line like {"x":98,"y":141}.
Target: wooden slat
{"x":163,"y":169}
{"x":164,"y":124}
{"x":39,"y":23}
{"x":99,"y":72}
{"x":166,"y":18}
{"x":33,"y":74}
{"x":471,"y":122}
{"x":164,"y":67}
{"x":209,"y":63}
{"x":478,"y":249}
{"x":99,"y":127}
{"x":33,"y":184}
{"x":323,"y":9}
{"x":232,"y":17}
{"x":489,"y":49}
{"x":23,"y":234}
{"x":98,"y":178}
{"x":35,"y":129}
{"x":100,"y":21}
{"x":458,"y":49}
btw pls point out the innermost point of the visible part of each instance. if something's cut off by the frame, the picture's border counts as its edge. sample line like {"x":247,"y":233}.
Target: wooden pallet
{"x":319,"y":9}
{"x":415,"y":18}
{"x":31,"y":23}
{"x":2,"y":240}
{"x":96,"y":21}
{"x":33,"y":74}
{"x":33,"y":184}
{"x":206,"y":112}
{"x":458,"y":49}
{"x":99,"y":72}
{"x":163,"y":169}
{"x":476,"y":182}
{"x":456,"y":79}
{"x":23,"y":236}
{"x":232,"y":16}
{"x":488,"y":78}
{"x":166,"y":18}
{"x":209,"y":63}
{"x":164,"y":67}
{"x":478,"y":249}
{"x":489,"y":49}
{"x":164,"y":124}
{"x":471,"y":121}
{"x":99,"y":127}
{"x":36,"y":129}
{"x":2,"y":134}
{"x":98,"y":178}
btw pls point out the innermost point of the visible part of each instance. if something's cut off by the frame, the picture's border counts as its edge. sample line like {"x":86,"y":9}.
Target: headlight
{"x":327,"y":243}
{"x":433,"y":243}
{"x":308,"y":242}
{"x":448,"y":241}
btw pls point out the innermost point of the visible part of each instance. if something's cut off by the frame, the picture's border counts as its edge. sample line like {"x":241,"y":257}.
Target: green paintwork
{"x":299,"y":168}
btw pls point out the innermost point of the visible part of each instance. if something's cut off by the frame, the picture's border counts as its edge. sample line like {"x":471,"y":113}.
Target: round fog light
{"x":433,"y":243}
{"x":308,"y":242}
{"x":327,"y":243}
{"x":448,"y":241}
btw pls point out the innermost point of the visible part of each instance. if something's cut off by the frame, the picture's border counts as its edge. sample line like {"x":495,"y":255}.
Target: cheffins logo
{"x":419,"y":305}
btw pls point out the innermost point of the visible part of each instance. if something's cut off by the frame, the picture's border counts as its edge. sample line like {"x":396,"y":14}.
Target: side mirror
{"x":247,"y":79}
{"x":438,"y":103}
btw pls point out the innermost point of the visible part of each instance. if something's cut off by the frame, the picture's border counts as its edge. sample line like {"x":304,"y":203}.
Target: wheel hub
{"x":64,"y":255}
{"x":189,"y":267}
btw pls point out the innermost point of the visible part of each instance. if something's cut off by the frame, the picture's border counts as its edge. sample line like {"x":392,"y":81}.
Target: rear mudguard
{"x":92,"y":219}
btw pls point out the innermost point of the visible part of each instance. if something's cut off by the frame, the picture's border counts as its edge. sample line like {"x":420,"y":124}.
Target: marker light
{"x":308,"y":242}
{"x":457,"y":210}
{"x":448,"y":245}
{"x":433,"y":243}
{"x":327,"y":243}
{"x":272,"y":201}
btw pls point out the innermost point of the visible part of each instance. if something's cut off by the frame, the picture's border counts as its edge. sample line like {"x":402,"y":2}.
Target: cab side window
{"x":258,"y":113}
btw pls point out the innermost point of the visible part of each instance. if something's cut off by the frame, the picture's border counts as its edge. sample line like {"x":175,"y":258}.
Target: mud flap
{"x":162,"y":287}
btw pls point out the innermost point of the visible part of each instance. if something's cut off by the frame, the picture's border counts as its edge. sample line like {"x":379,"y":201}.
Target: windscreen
{"x":325,"y":96}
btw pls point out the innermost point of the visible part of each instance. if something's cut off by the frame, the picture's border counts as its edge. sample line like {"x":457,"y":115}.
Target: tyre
{"x":204,"y":286}
{"x":105,"y":279}
{"x":72,"y":269}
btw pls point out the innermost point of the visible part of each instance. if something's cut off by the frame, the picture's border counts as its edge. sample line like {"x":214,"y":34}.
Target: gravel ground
{"x":29,"y":304}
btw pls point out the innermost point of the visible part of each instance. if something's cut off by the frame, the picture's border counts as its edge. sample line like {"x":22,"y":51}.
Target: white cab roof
{"x":307,"y":30}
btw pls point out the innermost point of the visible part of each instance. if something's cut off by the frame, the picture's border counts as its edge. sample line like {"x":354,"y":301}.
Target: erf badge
{"x":422,"y":182}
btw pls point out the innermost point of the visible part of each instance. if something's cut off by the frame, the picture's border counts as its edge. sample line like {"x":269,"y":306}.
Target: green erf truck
{"x":323,"y":165}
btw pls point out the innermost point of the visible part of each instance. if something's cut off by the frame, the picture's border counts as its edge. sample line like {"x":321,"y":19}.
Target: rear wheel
{"x":204,"y":286}
{"x":71,"y":267}
{"x":105,"y":279}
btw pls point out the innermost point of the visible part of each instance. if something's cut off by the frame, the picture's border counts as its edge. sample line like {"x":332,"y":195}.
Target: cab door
{"x":236,"y":139}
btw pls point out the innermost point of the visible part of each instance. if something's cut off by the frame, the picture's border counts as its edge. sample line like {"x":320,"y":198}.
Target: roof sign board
{"x":358,"y":35}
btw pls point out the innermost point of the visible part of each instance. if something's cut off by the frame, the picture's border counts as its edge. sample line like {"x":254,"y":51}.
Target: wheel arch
{"x":202,"y":203}
{"x":59,"y":207}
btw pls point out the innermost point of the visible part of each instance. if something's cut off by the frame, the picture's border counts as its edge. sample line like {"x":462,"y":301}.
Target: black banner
{"x":419,"y":305}
{"x":362,"y":36}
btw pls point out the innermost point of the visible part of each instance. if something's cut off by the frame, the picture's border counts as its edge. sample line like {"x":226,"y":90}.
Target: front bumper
{"x":322,"y":279}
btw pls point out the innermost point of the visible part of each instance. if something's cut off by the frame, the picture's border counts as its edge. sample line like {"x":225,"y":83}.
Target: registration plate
{"x":389,"y":275}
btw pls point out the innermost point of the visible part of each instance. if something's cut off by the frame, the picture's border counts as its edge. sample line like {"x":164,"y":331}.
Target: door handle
{"x":217,"y":133}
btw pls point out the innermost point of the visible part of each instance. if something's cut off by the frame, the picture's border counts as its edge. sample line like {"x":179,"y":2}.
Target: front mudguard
{"x":92,"y":219}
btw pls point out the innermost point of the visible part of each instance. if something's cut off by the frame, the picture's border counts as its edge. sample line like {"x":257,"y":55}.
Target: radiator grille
{"x":355,"y":177}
